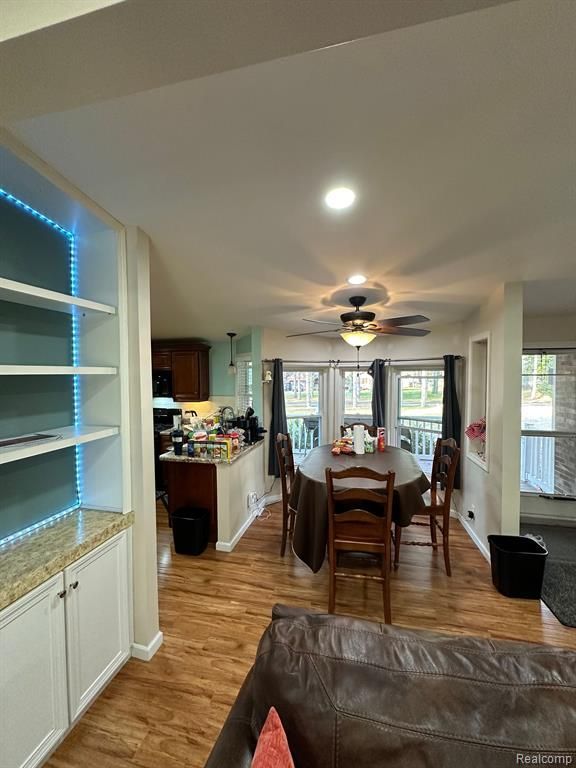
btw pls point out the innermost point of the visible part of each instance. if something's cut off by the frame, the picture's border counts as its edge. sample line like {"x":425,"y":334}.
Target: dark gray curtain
{"x":378,"y":372}
{"x":451,"y":419}
{"x":278,"y":422}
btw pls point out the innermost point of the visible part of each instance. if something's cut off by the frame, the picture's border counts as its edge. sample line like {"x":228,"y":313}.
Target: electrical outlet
{"x":252,"y":499}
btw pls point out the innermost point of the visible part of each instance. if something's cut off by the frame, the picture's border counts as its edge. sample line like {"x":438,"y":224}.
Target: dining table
{"x":309,"y":497}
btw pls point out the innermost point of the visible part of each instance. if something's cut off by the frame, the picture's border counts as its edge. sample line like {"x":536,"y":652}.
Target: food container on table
{"x":358,"y":439}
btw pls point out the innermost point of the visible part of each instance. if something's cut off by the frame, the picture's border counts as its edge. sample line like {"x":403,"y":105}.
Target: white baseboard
{"x":272,"y":498}
{"x":228,"y":546}
{"x":146,"y":652}
{"x":546,"y":520}
{"x":474,"y":536}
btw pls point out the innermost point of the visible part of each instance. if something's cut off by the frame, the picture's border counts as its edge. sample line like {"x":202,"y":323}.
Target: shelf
{"x":68,"y":437}
{"x":32,"y":296}
{"x":56,"y":370}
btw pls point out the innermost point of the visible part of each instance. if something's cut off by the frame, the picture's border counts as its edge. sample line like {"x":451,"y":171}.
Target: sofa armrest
{"x":280,"y":611}
{"x":236,"y":743}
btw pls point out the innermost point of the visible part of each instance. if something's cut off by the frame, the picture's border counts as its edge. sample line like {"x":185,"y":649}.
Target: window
{"x":478,"y":396}
{"x":419,"y":421}
{"x":303,"y":398}
{"x":357,"y":387}
{"x":244,"y":390}
{"x":548,"y":450}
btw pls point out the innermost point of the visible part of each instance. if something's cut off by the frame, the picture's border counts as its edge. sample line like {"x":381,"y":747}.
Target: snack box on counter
{"x":213,"y":447}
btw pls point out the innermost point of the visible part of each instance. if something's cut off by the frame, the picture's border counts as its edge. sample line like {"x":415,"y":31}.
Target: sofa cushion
{"x":272,"y":750}
{"x":351,"y":692}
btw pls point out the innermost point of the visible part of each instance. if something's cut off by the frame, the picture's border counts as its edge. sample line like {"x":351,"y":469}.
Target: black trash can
{"x":191,"y":530}
{"x":517,"y":566}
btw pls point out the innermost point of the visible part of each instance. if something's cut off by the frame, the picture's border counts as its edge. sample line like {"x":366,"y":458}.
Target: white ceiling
{"x":457,"y":134}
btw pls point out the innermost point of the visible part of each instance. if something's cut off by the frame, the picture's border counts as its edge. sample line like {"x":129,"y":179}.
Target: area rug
{"x":559,"y":588}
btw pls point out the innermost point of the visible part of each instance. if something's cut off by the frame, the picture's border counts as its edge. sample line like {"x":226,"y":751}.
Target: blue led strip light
{"x":32,"y":528}
{"x":73,"y":264}
{"x":35,"y":213}
{"x":75,"y":362}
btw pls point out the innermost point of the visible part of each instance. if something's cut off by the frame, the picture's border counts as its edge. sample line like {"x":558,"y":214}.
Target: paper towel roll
{"x":358,"y":439}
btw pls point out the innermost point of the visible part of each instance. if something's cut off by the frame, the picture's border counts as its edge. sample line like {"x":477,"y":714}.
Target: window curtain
{"x":278,"y":422}
{"x":451,"y":419}
{"x":379,"y":392}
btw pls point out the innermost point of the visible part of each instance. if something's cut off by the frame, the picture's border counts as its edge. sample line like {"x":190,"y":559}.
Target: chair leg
{"x":446,"y":547}
{"x":285,"y":516}
{"x":397,"y":542}
{"x":332,"y":583}
{"x":386,"y":589}
{"x":433,"y":534}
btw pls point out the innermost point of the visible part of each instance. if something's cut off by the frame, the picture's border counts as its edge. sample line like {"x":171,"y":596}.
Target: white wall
{"x":147,"y":636}
{"x":550,"y":329}
{"x":235,"y":481}
{"x":494,"y":491}
{"x":23,"y":16}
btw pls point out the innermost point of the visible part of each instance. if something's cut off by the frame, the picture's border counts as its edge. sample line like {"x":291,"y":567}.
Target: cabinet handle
{"x":62,"y":594}
{"x":74,"y":585}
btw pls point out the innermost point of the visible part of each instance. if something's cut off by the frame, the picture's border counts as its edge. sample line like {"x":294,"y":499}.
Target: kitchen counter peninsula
{"x":222,"y":486}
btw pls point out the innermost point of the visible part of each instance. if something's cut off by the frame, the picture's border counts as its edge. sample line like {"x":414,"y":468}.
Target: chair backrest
{"x":359,"y":515}
{"x":285,"y":463}
{"x":372,"y":431}
{"x":444,"y":465}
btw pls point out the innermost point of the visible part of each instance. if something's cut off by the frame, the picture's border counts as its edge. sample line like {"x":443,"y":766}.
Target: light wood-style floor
{"x":213,"y":609}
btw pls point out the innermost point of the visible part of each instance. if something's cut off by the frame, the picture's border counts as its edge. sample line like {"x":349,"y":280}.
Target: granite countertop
{"x":32,"y":560}
{"x":185,"y":459}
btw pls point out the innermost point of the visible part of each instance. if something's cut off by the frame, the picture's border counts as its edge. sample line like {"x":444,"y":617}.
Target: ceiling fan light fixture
{"x":356,"y":280}
{"x":358,"y":338}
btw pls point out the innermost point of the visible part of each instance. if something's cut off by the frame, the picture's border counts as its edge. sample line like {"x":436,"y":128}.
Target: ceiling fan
{"x":359,"y":327}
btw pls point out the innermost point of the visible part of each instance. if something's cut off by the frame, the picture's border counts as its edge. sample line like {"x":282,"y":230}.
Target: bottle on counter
{"x":381,"y":437}
{"x":177,"y":436}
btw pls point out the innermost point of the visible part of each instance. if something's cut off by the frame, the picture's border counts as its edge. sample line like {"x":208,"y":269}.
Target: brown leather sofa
{"x":356,"y":694}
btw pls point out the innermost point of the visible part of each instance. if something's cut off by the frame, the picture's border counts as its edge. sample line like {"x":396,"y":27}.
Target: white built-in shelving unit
{"x":32,"y":296}
{"x":55,"y":440}
{"x":57,"y":370}
{"x":96,"y":303}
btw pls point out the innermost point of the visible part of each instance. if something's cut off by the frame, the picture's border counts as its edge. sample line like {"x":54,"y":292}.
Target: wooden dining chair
{"x":353,"y":528}
{"x":444,"y":465}
{"x":372,"y":431}
{"x":286,"y":465}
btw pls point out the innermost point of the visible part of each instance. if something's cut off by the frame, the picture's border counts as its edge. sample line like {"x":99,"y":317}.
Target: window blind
{"x":244,"y":389}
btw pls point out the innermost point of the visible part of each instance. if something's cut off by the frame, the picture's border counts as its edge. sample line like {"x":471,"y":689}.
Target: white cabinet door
{"x":33,"y":695}
{"x":97,"y":620}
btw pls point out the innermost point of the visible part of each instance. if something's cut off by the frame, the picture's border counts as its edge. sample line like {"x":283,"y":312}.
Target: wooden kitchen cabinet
{"x":186,"y":376}
{"x":190,"y":367}
{"x":161,"y":361}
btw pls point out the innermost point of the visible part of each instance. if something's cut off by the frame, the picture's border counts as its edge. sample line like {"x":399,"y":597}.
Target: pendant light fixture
{"x":231,"y":366}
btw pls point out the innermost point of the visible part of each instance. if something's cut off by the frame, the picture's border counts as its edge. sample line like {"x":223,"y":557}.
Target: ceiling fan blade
{"x":323,"y":322}
{"x":408,"y":320}
{"x":391,"y":331}
{"x":310,"y":333}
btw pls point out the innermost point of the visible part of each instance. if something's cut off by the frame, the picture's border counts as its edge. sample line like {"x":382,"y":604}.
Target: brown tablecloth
{"x":309,"y":497}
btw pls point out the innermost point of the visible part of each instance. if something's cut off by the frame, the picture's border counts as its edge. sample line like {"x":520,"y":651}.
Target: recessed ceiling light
{"x":356,"y":280}
{"x":340,"y":198}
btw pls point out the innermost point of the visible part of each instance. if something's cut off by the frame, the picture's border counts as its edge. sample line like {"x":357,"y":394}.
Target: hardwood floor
{"x":213,"y":609}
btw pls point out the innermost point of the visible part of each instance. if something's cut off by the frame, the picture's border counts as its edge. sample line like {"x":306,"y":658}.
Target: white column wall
{"x":147,"y":635}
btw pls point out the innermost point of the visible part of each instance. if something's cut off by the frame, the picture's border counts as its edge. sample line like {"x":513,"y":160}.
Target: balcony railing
{"x":537,"y":463}
{"x":419,"y":436}
{"x":305,"y":432}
